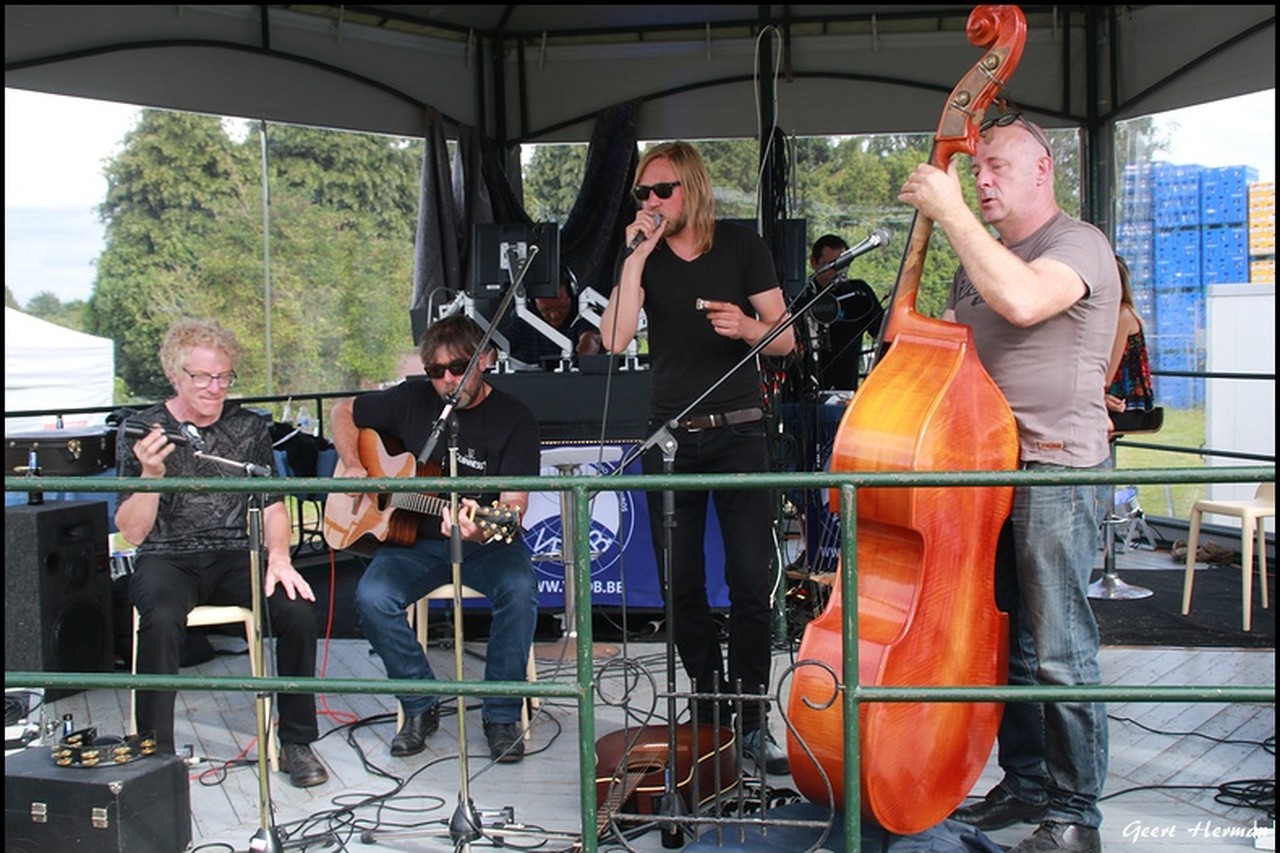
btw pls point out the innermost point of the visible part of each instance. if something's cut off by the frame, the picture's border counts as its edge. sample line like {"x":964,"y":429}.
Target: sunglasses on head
{"x":457,"y":367}
{"x":664,"y":190}
{"x":1009,"y":118}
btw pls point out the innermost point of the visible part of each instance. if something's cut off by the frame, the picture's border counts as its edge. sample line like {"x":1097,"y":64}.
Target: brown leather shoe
{"x":302,"y":765}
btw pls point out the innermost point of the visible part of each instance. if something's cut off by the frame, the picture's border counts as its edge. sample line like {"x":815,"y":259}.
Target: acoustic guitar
{"x":631,"y":767}
{"x":361,"y":522}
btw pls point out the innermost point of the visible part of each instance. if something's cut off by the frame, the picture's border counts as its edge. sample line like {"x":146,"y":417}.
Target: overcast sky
{"x":55,"y":147}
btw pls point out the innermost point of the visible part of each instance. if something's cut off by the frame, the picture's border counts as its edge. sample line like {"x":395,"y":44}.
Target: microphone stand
{"x":265,"y":840}
{"x":465,"y":825}
{"x":451,"y":402}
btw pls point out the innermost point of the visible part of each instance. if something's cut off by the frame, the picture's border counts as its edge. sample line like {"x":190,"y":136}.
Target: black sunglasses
{"x":664,"y":190}
{"x":1008,"y":119}
{"x":457,"y":367}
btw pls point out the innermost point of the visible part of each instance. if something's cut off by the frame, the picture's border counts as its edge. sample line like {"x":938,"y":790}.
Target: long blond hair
{"x":691,"y":172}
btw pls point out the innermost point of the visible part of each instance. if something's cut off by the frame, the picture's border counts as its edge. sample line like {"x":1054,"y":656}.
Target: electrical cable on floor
{"x":1259,"y":794}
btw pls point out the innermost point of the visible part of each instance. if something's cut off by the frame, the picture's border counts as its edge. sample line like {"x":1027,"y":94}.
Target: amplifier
{"x":61,"y":452}
{"x":572,"y":406}
{"x":140,"y":807}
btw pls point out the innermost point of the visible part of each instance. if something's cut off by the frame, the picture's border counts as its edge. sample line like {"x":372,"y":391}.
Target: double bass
{"x":925,"y":556}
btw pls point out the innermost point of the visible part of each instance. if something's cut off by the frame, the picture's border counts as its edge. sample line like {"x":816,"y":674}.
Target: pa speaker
{"x":57,"y":606}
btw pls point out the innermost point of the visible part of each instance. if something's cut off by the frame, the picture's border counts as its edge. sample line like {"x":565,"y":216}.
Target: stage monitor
{"x":793,"y":262}
{"x":495,"y":247}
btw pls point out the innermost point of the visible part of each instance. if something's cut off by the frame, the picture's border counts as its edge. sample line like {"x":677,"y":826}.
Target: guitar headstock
{"x":498,"y":521}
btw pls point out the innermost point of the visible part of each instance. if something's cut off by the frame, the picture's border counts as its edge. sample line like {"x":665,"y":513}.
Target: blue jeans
{"x":397,"y":577}
{"x":1054,"y":753}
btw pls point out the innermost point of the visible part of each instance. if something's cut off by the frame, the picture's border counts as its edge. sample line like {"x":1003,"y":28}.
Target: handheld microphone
{"x":138,"y":429}
{"x":876,"y":239}
{"x":192,"y":434}
{"x":641,"y":236}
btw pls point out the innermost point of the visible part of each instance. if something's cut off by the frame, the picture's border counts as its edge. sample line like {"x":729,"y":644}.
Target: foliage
{"x":184,"y":219}
{"x":551,"y":181}
{"x":184,"y":213}
{"x":47,"y":306}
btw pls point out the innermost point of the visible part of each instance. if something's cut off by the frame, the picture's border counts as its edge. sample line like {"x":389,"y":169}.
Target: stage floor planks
{"x":1194,"y":744}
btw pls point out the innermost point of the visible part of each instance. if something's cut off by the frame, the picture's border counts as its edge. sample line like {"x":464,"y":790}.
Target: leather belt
{"x":696,"y":423}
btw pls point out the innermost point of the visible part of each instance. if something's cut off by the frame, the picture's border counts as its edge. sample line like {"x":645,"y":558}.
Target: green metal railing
{"x":581,"y":489}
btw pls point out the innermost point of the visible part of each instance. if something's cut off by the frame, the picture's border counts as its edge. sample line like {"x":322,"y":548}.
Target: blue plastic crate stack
{"x":1181,"y":229}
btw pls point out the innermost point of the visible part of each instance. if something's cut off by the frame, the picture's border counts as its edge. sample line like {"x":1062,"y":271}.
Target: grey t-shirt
{"x":1053,"y":373}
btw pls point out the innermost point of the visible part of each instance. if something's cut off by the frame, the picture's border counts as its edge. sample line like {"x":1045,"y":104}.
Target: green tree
{"x":47,"y":306}
{"x":159,"y":212}
{"x":552,"y":178}
{"x":184,"y":239}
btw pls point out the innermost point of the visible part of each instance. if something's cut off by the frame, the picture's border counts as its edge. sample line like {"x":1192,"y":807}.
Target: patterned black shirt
{"x":202,"y":521}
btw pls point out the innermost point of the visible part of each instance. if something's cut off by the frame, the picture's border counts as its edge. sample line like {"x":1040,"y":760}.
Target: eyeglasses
{"x":204,"y":380}
{"x":457,"y":367}
{"x":664,"y":190}
{"x":1008,"y":119}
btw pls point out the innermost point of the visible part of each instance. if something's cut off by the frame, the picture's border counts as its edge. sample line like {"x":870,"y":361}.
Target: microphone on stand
{"x":641,"y":236}
{"x":876,"y":239}
{"x":854,"y":300}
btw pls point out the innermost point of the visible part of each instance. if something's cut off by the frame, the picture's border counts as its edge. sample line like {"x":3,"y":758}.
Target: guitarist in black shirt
{"x":496,"y":435}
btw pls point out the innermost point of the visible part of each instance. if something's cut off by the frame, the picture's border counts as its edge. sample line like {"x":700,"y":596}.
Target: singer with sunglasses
{"x":710,"y":293}
{"x":496,"y":435}
{"x":193,"y":547}
{"x":1042,"y":299}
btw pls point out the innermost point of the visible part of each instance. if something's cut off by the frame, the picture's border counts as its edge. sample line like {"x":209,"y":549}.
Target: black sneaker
{"x":506,"y":744}
{"x":759,"y":746}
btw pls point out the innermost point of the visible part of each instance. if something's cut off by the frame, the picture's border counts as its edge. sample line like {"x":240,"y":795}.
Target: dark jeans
{"x":165,"y":588}
{"x":501,"y":571}
{"x":746,"y":518}
{"x":1053,"y":752}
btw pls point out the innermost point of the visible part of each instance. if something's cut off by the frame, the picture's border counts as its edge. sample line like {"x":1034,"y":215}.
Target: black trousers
{"x":165,"y":588}
{"x":746,"y":517}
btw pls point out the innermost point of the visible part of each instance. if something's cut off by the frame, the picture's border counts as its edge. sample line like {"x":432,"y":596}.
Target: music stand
{"x":566,"y":461}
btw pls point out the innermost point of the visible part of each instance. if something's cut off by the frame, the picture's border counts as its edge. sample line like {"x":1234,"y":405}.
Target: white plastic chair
{"x":1251,"y":514}
{"x":202,"y":616}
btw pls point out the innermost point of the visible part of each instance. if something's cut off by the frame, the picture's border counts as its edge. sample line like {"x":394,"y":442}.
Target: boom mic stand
{"x":265,"y":840}
{"x":465,"y":825}
{"x":671,"y":804}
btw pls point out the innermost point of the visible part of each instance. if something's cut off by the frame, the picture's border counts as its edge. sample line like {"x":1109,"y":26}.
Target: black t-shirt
{"x":497,"y":437}
{"x":685,"y":353}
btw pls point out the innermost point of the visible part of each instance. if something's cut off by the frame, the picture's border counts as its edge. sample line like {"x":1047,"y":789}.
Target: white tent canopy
{"x":47,"y":366}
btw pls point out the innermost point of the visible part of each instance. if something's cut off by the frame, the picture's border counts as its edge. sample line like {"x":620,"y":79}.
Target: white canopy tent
{"x":47,"y":366}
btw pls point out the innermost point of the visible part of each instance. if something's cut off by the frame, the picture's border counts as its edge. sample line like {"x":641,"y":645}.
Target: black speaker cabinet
{"x":57,"y":606}
{"x":140,"y":807}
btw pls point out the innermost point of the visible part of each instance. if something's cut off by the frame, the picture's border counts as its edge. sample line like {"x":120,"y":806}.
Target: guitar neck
{"x":421,"y":504}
